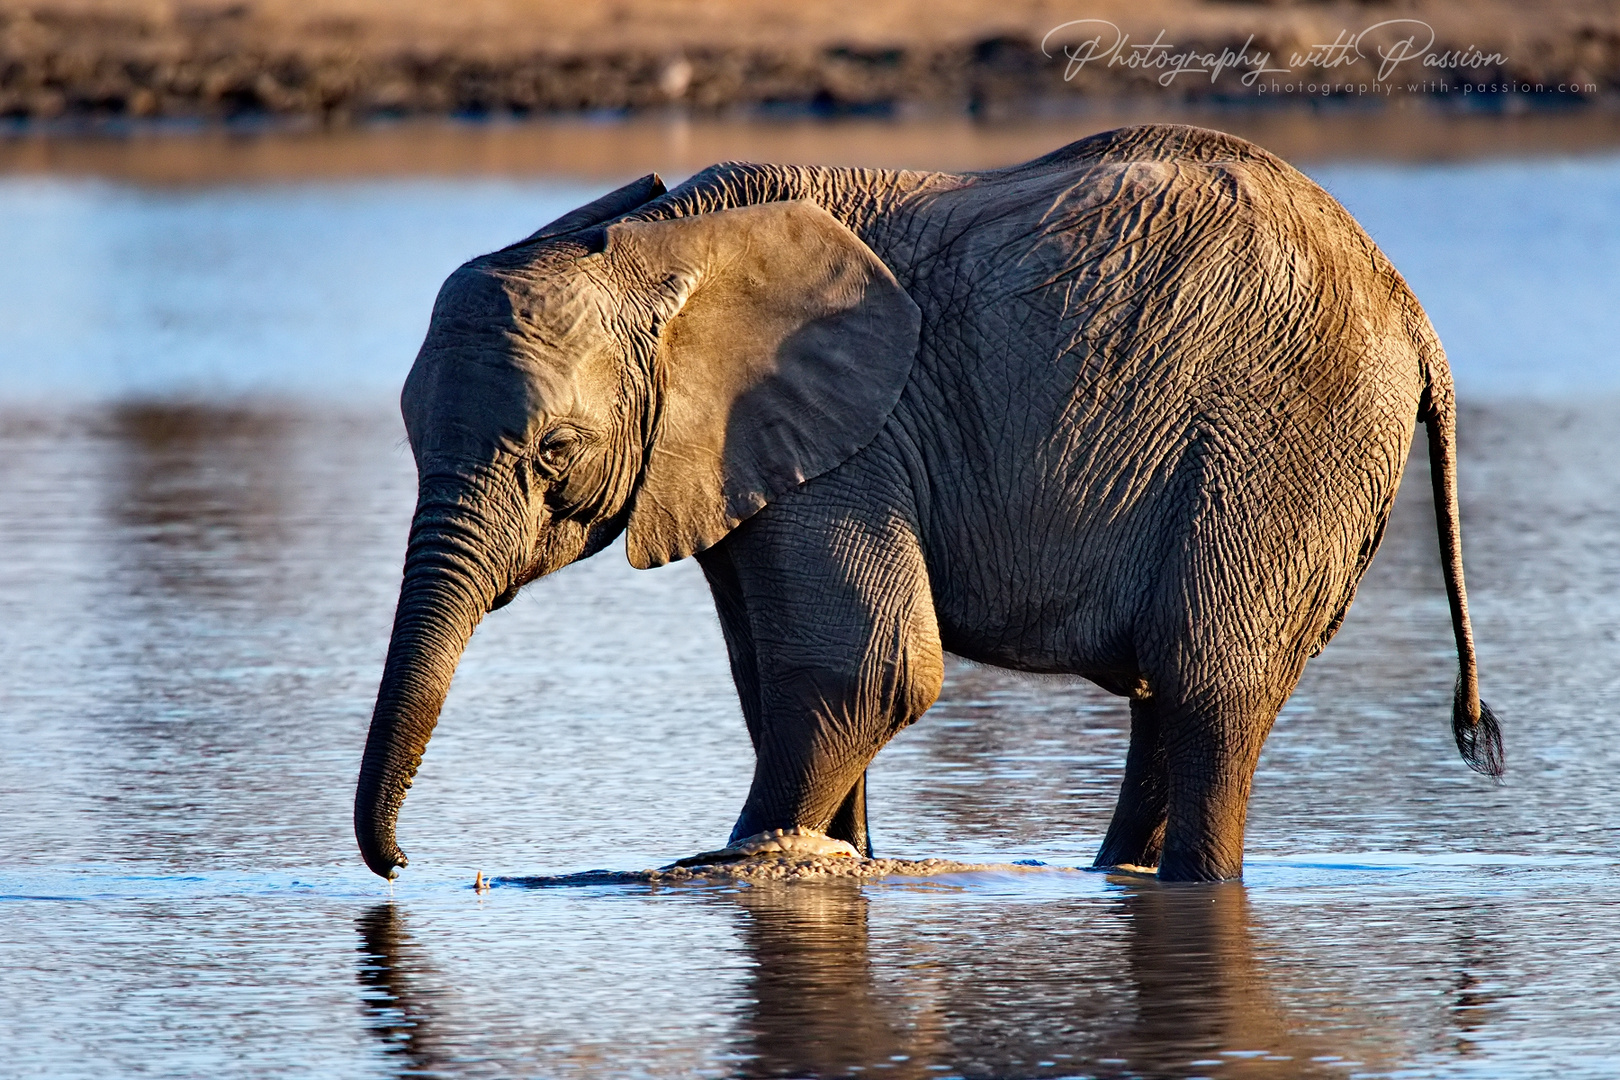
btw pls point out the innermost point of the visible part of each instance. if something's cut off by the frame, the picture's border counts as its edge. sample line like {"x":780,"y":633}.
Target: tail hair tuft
{"x":1479,"y":740}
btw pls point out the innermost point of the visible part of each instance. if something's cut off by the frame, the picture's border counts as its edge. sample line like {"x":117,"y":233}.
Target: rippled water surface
{"x":203,"y":503}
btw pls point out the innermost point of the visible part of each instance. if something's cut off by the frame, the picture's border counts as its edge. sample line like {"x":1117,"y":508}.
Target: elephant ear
{"x":783,"y":345}
{"x":618,"y":201}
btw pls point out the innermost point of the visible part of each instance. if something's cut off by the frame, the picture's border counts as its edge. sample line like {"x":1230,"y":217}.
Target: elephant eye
{"x":556,"y":449}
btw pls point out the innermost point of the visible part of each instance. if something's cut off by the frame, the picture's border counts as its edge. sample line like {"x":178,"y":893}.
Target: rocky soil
{"x":336,"y":61}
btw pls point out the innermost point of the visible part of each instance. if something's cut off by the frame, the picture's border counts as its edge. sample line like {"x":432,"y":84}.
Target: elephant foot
{"x":1199,"y":869}
{"x":1131,"y":869}
{"x":792,"y":843}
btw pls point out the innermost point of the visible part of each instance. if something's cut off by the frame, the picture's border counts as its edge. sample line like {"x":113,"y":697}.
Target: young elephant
{"x":1134,"y":411}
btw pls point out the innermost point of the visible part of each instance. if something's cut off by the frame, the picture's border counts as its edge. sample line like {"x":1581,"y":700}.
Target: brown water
{"x":1411,"y":131}
{"x":194,"y":605}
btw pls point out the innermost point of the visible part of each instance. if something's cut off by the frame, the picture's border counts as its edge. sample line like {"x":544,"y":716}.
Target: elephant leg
{"x":846,"y":648}
{"x":1222,"y":647}
{"x":739,"y":635}
{"x":1211,"y":750}
{"x":1136,"y":834}
{"x":849,"y":823}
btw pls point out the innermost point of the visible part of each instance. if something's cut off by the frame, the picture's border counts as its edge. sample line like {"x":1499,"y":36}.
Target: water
{"x":203,"y":503}
{"x":111,"y":290}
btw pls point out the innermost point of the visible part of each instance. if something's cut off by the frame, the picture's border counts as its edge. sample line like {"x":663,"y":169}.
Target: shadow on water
{"x":189,"y":563}
{"x":197,"y":508}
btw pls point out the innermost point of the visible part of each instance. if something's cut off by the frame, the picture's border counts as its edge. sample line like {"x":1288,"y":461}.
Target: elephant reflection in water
{"x":400,"y":1010}
{"x":1013,"y":1001}
{"x":816,"y":1005}
{"x":1200,"y":990}
{"x":1174,"y":981}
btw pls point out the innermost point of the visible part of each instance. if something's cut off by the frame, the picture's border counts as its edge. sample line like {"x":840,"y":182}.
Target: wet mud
{"x":765,"y":869}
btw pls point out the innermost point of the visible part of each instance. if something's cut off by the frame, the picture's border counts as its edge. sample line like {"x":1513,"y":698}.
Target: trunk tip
{"x":388,"y":869}
{"x":384,"y":859}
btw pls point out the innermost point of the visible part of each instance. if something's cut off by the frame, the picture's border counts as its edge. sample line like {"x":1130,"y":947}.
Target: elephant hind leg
{"x":1136,"y":834}
{"x":1183,"y":802}
{"x":1212,"y":745}
{"x":1223,"y":644}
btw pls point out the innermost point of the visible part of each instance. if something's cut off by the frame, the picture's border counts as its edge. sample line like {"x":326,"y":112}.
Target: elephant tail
{"x":1479,"y":737}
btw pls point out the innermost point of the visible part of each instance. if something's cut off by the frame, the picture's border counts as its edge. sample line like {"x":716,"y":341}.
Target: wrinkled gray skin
{"x":1134,"y":411}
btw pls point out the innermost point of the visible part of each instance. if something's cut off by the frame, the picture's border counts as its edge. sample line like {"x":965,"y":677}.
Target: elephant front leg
{"x":819,"y":732}
{"x":849,"y":823}
{"x":846,"y":653}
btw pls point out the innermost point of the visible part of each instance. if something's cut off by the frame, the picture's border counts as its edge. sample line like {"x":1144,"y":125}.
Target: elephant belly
{"x":1081,"y":623}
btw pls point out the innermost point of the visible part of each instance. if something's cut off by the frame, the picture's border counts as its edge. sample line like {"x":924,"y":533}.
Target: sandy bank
{"x":333,"y":61}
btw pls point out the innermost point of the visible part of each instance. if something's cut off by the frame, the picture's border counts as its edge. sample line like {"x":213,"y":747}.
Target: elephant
{"x":1135,"y":411}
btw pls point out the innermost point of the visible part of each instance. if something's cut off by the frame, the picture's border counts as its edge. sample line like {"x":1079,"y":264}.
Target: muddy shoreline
{"x":336,"y":62}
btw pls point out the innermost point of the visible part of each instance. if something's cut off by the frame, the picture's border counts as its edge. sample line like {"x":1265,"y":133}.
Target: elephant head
{"x":660,"y":376}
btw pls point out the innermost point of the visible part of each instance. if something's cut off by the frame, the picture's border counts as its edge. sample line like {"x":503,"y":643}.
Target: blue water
{"x":203,"y":502}
{"x":110,"y":290}
{"x":1515,"y":262}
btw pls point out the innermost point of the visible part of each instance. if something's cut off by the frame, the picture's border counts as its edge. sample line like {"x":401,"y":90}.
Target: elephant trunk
{"x":450,"y":583}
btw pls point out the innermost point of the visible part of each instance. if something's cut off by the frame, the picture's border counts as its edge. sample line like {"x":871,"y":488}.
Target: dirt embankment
{"x":340,"y":60}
